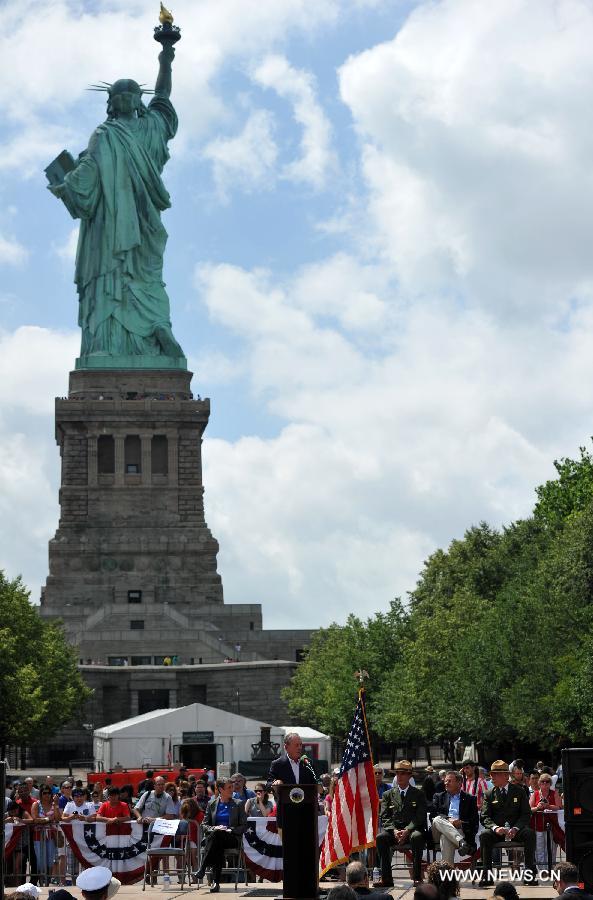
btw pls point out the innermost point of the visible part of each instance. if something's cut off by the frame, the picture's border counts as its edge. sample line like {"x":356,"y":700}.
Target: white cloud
{"x":67,"y":249}
{"x":428,"y":371}
{"x":114,"y":39}
{"x":12,"y":253}
{"x":28,"y":505}
{"x":247,"y":160}
{"x":388,"y":454}
{"x":477,"y":151}
{"x":215,"y":367}
{"x":298,"y":87}
{"x":34,"y":365}
{"x":343,"y":289}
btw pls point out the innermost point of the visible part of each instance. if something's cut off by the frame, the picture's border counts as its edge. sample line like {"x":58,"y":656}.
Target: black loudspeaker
{"x":577,"y":781}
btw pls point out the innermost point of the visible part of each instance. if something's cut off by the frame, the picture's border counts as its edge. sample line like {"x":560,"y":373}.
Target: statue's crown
{"x":121,"y":86}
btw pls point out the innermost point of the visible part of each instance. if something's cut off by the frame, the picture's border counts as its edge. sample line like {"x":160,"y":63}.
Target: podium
{"x":297,"y":817}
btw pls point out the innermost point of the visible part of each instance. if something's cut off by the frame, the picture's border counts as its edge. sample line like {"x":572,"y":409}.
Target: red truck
{"x":135,"y":776}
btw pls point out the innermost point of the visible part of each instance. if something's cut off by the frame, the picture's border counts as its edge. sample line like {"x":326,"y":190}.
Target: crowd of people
{"x":455,"y":809}
{"x":38,"y":808}
{"x":441,"y":885}
{"x":451,"y":810}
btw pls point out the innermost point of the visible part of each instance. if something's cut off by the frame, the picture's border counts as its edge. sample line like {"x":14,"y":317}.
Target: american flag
{"x":353,"y":815}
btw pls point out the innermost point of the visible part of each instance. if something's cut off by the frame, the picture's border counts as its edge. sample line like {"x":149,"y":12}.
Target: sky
{"x":379,"y":264}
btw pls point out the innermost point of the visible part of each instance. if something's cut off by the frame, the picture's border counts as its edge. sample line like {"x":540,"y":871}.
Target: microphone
{"x":307,"y":763}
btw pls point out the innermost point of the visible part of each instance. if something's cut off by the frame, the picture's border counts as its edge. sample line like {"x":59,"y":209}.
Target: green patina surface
{"x":115,"y":189}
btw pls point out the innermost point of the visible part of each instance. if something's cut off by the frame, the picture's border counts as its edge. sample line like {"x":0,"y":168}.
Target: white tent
{"x":144,"y":740}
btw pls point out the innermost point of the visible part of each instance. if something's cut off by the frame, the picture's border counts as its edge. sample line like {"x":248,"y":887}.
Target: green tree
{"x":40,"y":686}
{"x":323,"y":691}
{"x":465,"y":639}
{"x":496,"y":642}
{"x":571,"y":492}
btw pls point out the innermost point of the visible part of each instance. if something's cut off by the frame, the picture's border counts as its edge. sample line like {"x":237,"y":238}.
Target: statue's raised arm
{"x":163,"y":84}
{"x":115,"y":189}
{"x":166,"y":35}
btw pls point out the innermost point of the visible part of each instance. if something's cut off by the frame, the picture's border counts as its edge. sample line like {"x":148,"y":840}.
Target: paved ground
{"x":403,"y":890}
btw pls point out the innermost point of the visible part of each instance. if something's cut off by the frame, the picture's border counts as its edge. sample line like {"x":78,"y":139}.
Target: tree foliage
{"x":40,"y":686}
{"x":570,"y":493}
{"x":496,"y":642}
{"x":323,"y":691}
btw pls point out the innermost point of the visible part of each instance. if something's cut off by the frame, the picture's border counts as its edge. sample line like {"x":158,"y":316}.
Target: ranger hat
{"x":499,"y":765}
{"x":404,"y":765}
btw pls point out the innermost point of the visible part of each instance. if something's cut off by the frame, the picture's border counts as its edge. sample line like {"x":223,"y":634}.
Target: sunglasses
{"x":95,"y":795}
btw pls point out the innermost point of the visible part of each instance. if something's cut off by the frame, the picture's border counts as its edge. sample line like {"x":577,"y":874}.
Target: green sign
{"x":198,"y":737}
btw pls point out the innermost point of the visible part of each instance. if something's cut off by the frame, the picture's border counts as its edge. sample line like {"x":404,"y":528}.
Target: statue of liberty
{"x":115,"y":189}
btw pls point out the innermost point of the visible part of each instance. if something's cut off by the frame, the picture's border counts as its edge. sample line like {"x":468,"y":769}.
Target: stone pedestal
{"x":133,"y":557}
{"x":132,"y":566}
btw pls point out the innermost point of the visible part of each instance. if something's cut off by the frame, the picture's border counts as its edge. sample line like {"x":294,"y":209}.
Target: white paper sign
{"x":165,"y":826}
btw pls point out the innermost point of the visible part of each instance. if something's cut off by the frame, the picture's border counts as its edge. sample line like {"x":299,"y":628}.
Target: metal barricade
{"x":69,"y":866}
{"x":16,"y":852}
{"x":43,"y":863}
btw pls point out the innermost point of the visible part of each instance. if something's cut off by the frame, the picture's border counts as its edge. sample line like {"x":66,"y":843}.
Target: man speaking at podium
{"x":289,"y":767}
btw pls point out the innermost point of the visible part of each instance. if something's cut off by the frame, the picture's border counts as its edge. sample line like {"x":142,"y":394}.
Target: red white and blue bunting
{"x":12,"y":834}
{"x":262,"y":846}
{"x":121,"y":848}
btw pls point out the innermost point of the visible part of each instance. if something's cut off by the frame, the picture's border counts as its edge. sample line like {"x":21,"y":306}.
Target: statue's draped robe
{"x":117,"y":191}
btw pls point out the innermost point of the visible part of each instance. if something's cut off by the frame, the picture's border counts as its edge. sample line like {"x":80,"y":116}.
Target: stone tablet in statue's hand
{"x":57,"y":190}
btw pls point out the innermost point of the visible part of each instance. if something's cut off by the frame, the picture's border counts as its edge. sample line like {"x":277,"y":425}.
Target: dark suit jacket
{"x":575,"y":895}
{"x":429,"y":787}
{"x":411,"y":814}
{"x":281,"y":770}
{"x":468,"y":812}
{"x":367,"y":892}
{"x":237,"y":819}
{"x":515,"y":809}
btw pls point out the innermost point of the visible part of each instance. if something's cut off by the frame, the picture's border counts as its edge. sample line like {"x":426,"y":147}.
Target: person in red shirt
{"x":24,"y":798}
{"x":113,"y":810}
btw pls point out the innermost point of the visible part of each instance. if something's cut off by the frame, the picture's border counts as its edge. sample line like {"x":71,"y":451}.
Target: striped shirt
{"x":477,"y":787}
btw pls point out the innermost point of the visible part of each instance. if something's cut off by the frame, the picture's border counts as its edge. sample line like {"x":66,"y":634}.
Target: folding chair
{"x":518,"y":848}
{"x":237,"y":856}
{"x":406,"y":865}
{"x":177,"y":850}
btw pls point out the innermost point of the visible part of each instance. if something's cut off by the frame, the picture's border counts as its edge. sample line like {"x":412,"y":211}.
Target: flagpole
{"x":361,"y":675}
{"x":352,"y":823}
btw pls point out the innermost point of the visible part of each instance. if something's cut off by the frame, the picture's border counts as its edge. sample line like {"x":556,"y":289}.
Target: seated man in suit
{"x":506,"y":812}
{"x":402,"y":820}
{"x":224,"y":823}
{"x":454,"y":819}
{"x":288,"y":768}
{"x":358,"y":879}
{"x":567,"y":882}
